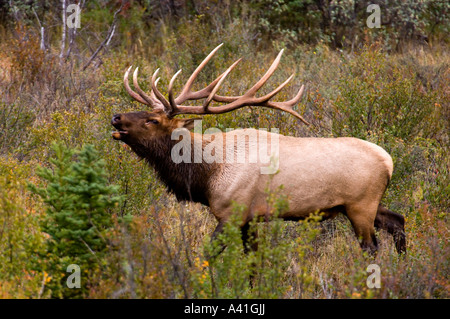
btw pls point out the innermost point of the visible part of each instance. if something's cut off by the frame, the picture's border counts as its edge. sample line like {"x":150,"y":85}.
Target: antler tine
{"x":270,"y":95}
{"x":266,"y":76}
{"x":149,"y":100}
{"x":173,"y":107}
{"x":133,"y":94}
{"x":248,"y":99}
{"x":205,"y":92}
{"x":166,"y":105}
{"x":186,"y":93}
{"x":171,"y":99}
{"x":251,"y":92}
{"x":288,"y":106}
{"x":217,"y":86}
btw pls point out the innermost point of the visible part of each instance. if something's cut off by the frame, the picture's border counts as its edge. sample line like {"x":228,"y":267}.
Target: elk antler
{"x":173,"y":106}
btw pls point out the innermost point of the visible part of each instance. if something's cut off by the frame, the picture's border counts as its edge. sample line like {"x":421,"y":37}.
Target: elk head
{"x":137,"y":126}
{"x":145,"y":125}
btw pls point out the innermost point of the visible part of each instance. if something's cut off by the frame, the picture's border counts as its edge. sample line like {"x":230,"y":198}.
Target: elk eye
{"x":152,"y":121}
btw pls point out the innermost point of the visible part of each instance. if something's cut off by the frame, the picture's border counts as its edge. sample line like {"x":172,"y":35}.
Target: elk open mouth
{"x":118,"y":134}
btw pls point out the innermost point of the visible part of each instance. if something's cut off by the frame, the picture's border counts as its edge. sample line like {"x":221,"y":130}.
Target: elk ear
{"x":188,"y":123}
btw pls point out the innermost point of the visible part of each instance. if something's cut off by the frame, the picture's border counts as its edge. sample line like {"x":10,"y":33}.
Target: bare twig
{"x":105,"y":42}
{"x":183,"y":235}
{"x":73,"y":34}
{"x":42,"y":45}
{"x":41,"y":291}
{"x":172,"y":258}
{"x":87,"y":246}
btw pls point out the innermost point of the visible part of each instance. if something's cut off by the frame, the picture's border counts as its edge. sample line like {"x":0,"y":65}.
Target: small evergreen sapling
{"x":78,"y":216}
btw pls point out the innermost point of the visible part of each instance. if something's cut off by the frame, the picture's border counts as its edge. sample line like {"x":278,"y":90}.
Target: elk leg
{"x":394,"y":224}
{"x":362,"y":218}
{"x":248,"y":235}
{"x":250,"y":243}
{"x":222,"y":246}
{"x":329,"y":214}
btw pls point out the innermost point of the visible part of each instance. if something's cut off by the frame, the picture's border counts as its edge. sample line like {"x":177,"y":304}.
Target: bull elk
{"x":330,"y":175}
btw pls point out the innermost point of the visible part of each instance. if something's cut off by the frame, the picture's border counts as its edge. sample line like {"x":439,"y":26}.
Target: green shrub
{"x":381,"y":99}
{"x":21,"y":241}
{"x":261,"y":273}
{"x":78,"y":216}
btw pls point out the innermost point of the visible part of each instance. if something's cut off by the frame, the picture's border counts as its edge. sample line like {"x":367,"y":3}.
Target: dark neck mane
{"x":187,"y":181}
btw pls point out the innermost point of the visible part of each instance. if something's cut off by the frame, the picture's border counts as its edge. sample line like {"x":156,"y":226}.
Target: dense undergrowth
{"x":144,"y":244}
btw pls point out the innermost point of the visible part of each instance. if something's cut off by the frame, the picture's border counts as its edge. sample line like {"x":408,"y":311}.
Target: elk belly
{"x":323,"y":173}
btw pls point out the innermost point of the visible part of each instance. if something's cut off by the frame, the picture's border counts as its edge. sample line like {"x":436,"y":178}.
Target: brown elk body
{"x":330,"y":175}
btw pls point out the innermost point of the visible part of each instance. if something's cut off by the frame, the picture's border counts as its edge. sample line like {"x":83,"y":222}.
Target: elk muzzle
{"x":117,"y":123}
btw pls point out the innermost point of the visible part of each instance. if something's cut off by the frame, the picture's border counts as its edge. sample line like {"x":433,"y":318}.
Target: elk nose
{"x":115,"y":119}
